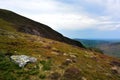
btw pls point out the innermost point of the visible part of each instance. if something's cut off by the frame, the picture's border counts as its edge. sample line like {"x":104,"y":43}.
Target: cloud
{"x":67,"y":16}
{"x":56,"y":14}
{"x":65,"y":21}
{"x":109,"y":27}
{"x":111,"y":7}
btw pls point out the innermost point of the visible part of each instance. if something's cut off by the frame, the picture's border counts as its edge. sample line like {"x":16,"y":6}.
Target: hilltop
{"x":56,"y":60}
{"x":23,"y":24}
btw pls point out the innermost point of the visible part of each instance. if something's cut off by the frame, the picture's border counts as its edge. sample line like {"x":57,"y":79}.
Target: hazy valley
{"x":109,"y":47}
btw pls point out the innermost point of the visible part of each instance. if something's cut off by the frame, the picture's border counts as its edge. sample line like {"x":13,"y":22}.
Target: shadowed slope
{"x":26,"y":25}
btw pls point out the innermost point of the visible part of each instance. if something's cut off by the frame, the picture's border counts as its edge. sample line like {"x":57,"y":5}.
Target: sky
{"x":86,"y":19}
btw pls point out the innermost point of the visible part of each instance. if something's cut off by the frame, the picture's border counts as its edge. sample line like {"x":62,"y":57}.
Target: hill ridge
{"x":23,"y":24}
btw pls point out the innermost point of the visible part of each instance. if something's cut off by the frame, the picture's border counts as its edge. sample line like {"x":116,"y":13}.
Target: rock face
{"x":26,"y":25}
{"x":22,"y":60}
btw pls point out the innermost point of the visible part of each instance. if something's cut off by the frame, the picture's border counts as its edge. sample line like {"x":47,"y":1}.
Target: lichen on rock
{"x":22,"y":60}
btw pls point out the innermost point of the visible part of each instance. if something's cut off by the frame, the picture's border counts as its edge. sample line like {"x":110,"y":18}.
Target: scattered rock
{"x":54,"y":49}
{"x":73,"y":56}
{"x":65,"y":54}
{"x":55,"y":53}
{"x":22,"y":60}
{"x":83,"y":78}
{"x":67,"y":62}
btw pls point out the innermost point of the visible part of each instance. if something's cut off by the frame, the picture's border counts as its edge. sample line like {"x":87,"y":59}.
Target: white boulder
{"x":22,"y":60}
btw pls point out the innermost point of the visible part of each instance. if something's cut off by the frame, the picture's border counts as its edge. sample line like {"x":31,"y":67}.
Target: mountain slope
{"x":55,"y":60}
{"x":92,"y":43}
{"x":111,"y":49}
{"x":26,"y":25}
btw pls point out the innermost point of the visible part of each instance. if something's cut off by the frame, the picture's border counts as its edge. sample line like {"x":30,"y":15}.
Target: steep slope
{"x":26,"y":25}
{"x":55,"y":60}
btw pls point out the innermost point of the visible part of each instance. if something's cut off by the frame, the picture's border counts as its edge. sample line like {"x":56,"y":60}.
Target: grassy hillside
{"x":25,"y":25}
{"x":55,"y":60}
{"x":52,"y":60}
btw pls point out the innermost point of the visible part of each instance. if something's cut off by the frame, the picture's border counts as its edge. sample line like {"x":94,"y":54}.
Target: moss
{"x":42,"y":76}
{"x":46,"y":64}
{"x":7,"y":68}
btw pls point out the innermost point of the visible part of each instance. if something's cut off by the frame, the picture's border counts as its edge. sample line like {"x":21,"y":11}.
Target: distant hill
{"x":109,"y":47}
{"x":92,"y":43}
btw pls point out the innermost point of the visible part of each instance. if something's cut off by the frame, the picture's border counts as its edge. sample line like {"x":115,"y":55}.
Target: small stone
{"x":67,"y":62}
{"x":83,"y":78}
{"x":65,"y":54}
{"x":55,"y":53}
{"x":73,"y":56}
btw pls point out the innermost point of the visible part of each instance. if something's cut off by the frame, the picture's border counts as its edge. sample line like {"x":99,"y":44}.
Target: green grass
{"x":6,"y":25}
{"x":20,"y":43}
{"x":46,"y":64}
{"x":42,"y":76}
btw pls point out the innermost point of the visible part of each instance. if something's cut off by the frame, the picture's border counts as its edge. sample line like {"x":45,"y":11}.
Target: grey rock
{"x":22,"y":60}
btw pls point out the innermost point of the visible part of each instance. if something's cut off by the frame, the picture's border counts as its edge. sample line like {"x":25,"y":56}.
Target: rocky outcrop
{"x":22,"y":60}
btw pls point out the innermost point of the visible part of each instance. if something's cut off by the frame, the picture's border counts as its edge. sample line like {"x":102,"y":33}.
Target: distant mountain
{"x":109,"y":47}
{"x":23,"y":24}
{"x":92,"y":43}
